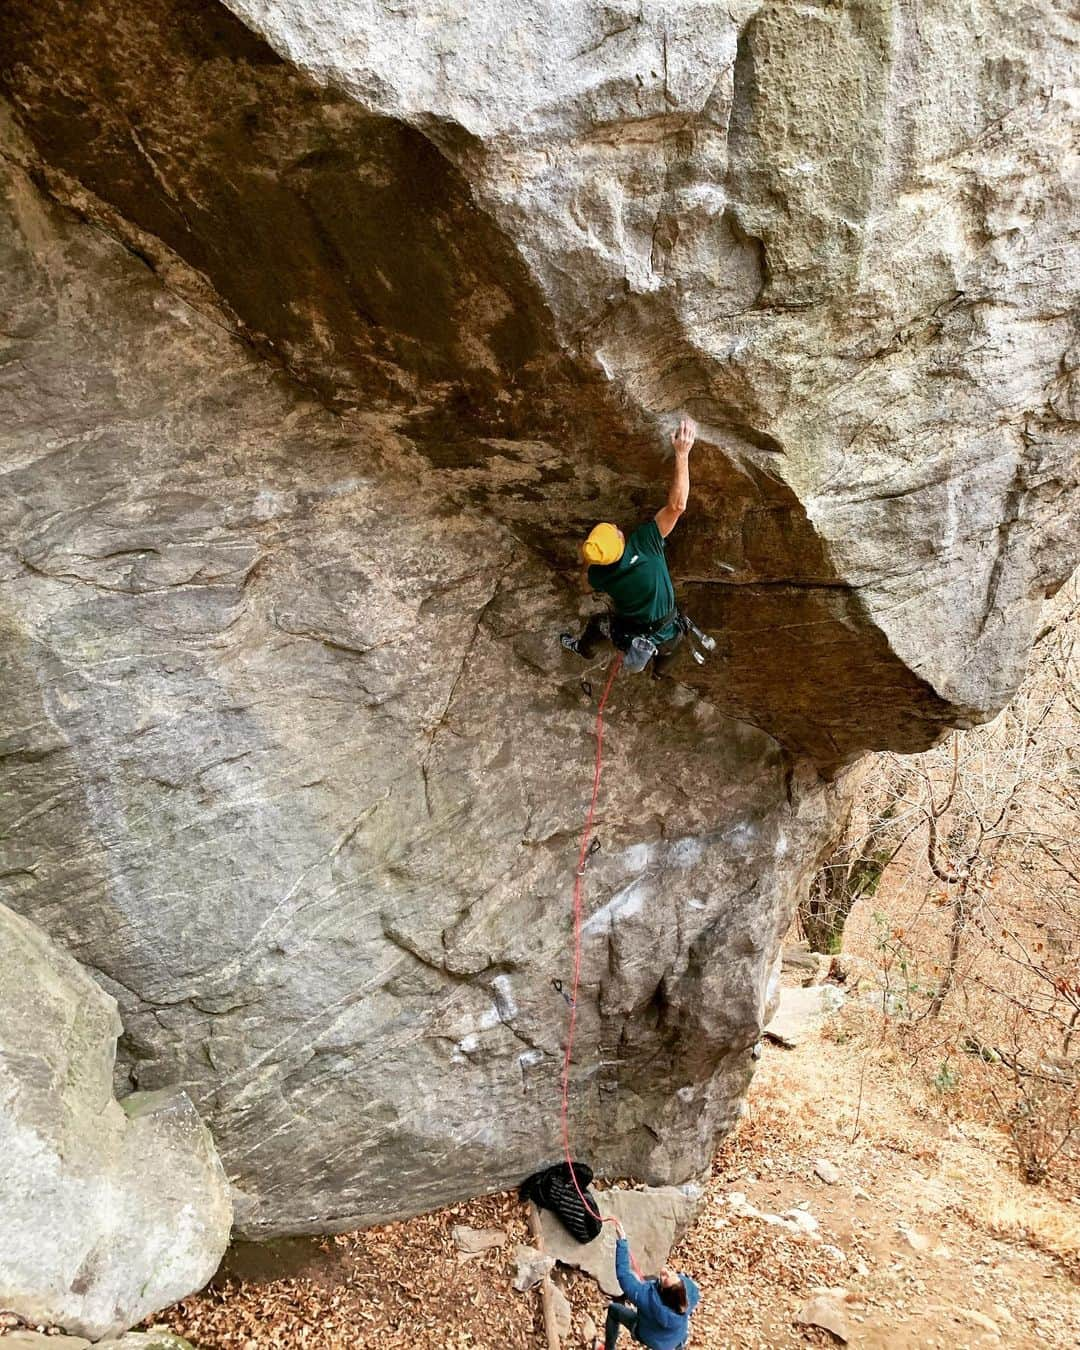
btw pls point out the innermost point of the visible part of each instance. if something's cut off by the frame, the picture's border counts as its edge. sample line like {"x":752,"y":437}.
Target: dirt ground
{"x":927,"y":1239}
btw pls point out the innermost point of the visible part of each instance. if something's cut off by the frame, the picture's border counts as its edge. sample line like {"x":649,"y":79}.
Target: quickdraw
{"x":557,"y":985}
{"x":592,"y":850}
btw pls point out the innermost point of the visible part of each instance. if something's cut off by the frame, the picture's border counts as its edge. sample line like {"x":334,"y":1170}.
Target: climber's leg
{"x":597,"y":632}
{"x":619,"y":1315}
{"x":665,"y":655}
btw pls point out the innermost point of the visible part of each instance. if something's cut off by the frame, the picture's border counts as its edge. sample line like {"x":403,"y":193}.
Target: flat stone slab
{"x":473,"y":1241}
{"x":825,"y":1312}
{"x":533,"y":1267}
{"x":801,"y":1013}
{"x":653,"y":1217}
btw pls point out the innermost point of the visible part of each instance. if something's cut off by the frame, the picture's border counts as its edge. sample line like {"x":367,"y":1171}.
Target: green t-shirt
{"x":639,"y":583}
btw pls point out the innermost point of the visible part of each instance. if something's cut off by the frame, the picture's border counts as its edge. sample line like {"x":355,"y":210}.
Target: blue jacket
{"x":659,"y":1327}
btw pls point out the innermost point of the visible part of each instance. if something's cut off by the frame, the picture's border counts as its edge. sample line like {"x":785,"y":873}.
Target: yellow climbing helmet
{"x":604,"y":545}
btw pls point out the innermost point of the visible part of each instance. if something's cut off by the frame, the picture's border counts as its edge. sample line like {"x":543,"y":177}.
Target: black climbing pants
{"x":598,"y":631}
{"x":619,"y":1315}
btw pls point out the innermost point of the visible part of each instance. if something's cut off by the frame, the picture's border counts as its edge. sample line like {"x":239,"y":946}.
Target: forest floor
{"x":927,"y":1238}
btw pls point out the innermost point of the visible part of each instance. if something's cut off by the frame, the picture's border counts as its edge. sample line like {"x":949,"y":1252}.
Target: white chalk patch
{"x":623,"y":905}
{"x":636,"y":857}
{"x":741,"y":836}
{"x":685,"y":853}
{"x":504,"y":998}
{"x":267,"y":504}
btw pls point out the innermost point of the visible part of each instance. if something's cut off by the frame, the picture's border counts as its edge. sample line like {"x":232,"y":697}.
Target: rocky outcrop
{"x":844,"y":237}
{"x":369,"y":311}
{"x":134,"y":1340}
{"x":295,"y":765}
{"x":654,"y":1220}
{"x":110,"y":1211}
{"x":841,"y":235}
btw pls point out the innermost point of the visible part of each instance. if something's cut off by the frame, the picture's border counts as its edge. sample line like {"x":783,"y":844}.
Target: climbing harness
{"x":640,"y":643}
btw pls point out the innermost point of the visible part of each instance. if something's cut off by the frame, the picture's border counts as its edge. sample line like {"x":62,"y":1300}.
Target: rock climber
{"x":658,"y":1314}
{"x":633,"y":573}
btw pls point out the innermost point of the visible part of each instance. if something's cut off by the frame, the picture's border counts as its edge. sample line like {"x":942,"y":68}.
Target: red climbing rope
{"x":579,"y":878}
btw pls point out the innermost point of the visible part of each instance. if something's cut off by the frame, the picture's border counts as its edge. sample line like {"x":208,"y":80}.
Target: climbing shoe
{"x":570,"y":643}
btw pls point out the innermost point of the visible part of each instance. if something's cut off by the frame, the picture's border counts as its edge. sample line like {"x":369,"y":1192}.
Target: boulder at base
{"x":654,"y":1218}
{"x":111,"y":1210}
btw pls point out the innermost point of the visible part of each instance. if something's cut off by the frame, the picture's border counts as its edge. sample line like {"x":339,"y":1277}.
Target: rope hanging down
{"x":584,"y":852}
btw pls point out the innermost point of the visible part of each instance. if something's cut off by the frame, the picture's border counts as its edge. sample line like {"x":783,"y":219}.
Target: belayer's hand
{"x":682,"y":438}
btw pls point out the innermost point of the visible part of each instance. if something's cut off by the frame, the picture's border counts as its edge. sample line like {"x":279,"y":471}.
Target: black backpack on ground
{"x":554,"y":1189}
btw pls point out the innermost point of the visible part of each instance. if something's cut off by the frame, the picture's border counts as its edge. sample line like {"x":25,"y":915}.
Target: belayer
{"x":658,"y":1313}
{"x":645,"y":621}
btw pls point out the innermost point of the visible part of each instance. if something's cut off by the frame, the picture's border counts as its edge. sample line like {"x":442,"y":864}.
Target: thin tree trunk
{"x":956,"y":937}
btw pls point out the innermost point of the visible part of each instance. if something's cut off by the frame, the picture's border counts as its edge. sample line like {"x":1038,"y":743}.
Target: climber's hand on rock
{"x":620,"y":1231}
{"x":682,"y":438}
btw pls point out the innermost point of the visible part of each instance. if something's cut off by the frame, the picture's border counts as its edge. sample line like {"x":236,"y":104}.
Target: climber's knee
{"x":596,"y":632}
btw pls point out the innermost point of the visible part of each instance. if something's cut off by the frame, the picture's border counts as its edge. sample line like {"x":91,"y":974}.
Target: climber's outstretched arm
{"x":668,"y":515}
{"x":635,"y":1290}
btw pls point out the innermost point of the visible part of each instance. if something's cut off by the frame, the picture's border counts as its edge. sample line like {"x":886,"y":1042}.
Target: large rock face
{"x":842,"y":235}
{"x":110,"y":1212}
{"x":295,"y":765}
{"x":367,"y":313}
